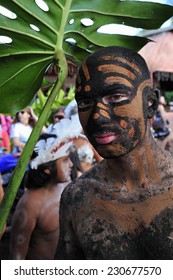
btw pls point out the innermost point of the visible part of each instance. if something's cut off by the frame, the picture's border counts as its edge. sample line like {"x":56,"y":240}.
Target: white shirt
{"x":21,"y":131}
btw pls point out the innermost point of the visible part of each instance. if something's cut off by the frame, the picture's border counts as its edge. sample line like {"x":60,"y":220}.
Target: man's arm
{"x":23,"y":223}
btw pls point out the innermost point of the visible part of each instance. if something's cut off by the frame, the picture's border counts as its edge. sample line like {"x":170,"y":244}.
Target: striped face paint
{"x":113,"y":86}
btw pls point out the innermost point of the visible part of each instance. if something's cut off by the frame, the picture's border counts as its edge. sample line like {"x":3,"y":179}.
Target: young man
{"x":35,"y":224}
{"x":123,"y":207}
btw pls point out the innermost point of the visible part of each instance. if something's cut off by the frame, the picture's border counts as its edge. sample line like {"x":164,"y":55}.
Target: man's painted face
{"x":112,"y":103}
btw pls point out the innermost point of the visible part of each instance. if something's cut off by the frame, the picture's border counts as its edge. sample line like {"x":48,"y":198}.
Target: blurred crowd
{"x":162,"y":125}
{"x":16,"y":131}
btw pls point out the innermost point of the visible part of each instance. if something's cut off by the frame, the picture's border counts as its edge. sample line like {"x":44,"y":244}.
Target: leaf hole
{"x":90,"y":47}
{"x":34,"y":27}
{"x":71,"y":41}
{"x":71,"y":21}
{"x":118,"y":29}
{"x":5,"y":40}
{"x":87,"y":22}
{"x":7,"y":13}
{"x":42,"y":5}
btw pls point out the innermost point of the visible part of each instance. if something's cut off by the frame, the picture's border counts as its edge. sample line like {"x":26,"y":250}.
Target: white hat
{"x":72,"y":106}
{"x":53,"y":148}
{"x":71,"y":110}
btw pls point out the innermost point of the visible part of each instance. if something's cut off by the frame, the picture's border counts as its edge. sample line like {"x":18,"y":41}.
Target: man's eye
{"x":85,"y":104}
{"x":116,"y":98}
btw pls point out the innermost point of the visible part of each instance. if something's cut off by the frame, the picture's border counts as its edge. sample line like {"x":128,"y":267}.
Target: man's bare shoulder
{"x":31,"y":199}
{"x":88,"y":183}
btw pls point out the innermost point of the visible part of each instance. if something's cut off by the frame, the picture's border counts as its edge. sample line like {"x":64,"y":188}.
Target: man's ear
{"x":153,"y":102}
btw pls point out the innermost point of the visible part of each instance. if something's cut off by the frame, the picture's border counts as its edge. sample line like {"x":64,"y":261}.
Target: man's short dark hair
{"x":37,"y":178}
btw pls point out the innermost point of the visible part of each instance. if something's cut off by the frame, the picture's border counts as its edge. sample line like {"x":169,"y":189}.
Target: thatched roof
{"x":159,"y":53}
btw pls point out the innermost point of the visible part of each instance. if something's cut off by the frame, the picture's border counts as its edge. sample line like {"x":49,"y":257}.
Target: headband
{"x":57,"y":144}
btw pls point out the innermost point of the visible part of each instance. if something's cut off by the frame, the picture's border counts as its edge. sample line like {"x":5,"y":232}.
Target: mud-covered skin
{"x":100,"y":221}
{"x":123,"y":207}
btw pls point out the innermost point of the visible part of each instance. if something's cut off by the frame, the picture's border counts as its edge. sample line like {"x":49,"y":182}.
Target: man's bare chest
{"x":111,"y":229}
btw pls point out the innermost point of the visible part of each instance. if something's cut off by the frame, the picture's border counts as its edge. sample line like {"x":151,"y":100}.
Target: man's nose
{"x":101,"y":111}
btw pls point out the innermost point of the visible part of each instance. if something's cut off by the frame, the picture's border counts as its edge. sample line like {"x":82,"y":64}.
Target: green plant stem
{"x":22,"y":163}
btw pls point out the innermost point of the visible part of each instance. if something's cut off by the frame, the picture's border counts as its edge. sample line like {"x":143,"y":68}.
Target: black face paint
{"x":110,"y":91}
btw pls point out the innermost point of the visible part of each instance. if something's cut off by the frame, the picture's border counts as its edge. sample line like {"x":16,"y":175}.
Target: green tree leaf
{"x":37,"y":34}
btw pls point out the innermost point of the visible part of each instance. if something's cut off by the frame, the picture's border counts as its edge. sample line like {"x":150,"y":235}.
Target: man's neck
{"x":142,"y":165}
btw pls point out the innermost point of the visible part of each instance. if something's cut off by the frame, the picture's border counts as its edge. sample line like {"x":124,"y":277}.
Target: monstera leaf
{"x":37,"y":34}
{"x":33,"y":36}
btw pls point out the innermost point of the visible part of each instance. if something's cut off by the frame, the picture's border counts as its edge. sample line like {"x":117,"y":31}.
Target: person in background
{"x":160,"y":122}
{"x":161,"y":106}
{"x":6,"y":122}
{"x":1,"y":197}
{"x":57,"y":116}
{"x":87,"y":155}
{"x":21,"y":128}
{"x":4,"y":141}
{"x":160,"y":125}
{"x":76,"y":168}
{"x":122,"y":208}
{"x":35,"y":223}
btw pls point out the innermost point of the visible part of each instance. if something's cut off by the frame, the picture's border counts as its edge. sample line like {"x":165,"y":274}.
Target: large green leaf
{"x":27,"y":57}
{"x":24,"y":61}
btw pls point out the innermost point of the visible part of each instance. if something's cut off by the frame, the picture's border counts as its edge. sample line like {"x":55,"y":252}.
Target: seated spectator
{"x":35,"y":224}
{"x":22,"y":127}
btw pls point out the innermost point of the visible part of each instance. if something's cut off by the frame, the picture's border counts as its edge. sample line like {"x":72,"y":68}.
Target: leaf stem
{"x":65,"y":14}
{"x":22,"y":163}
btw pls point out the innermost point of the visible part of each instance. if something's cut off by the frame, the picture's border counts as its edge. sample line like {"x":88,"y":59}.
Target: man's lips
{"x":104,"y":138}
